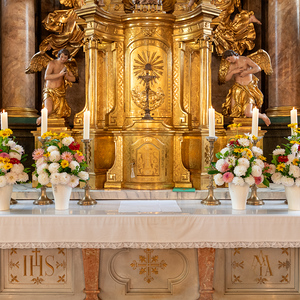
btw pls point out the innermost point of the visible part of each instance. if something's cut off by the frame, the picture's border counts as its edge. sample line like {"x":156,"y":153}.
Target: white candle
{"x":255,"y":121}
{"x":211,"y":121}
{"x":294,"y":118}
{"x":86,"y":125}
{"x":4,"y":122}
{"x":44,"y":120}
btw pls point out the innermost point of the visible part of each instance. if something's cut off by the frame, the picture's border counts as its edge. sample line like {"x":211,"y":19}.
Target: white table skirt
{"x":103,"y":226}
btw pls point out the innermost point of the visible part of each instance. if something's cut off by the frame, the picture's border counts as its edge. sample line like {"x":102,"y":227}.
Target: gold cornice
{"x":21,"y":112}
{"x":282,"y":111}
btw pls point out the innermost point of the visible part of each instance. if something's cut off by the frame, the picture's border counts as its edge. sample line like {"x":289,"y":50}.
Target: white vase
{"x":62,"y":194}
{"x":292,"y":194}
{"x":238,"y":195}
{"x":5,"y":196}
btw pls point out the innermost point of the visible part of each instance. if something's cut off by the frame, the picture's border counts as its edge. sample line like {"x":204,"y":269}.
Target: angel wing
{"x":262,"y":58}
{"x":223,"y":69}
{"x":38,"y":61}
{"x":72,"y":3}
{"x":71,"y":66}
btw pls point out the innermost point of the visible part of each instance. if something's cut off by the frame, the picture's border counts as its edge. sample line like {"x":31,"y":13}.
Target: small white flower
{"x":54,"y":156}
{"x":73,"y":165}
{"x":218,"y":178}
{"x":224,"y":150}
{"x":294,"y":171}
{"x":240,"y":170}
{"x":85,"y":175}
{"x":257,"y":151}
{"x":287,"y":181}
{"x":17,"y":168}
{"x":67,"y":141}
{"x":230,"y":160}
{"x":53,"y":167}
{"x":243,"y":162}
{"x":279,"y":151}
{"x":244,"y":142}
{"x":18,"y":148}
{"x":259,"y":162}
{"x":238,"y":181}
{"x":64,"y":178}
{"x":276,"y":178}
{"x":250,"y":180}
{"x":15,"y":155}
{"x":11,"y":144}
{"x":256,"y":171}
{"x":52,"y":148}
{"x":219,"y":164}
{"x":43,"y":178}
{"x":55,"y":178}
{"x":74,"y":181}
{"x":23,"y":177}
{"x":294,"y":148}
{"x":2,"y":181}
{"x":11,"y":177}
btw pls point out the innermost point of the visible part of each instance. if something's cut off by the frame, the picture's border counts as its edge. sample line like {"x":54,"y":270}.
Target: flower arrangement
{"x":60,"y":161}
{"x":11,"y":157}
{"x":240,"y":162}
{"x":286,"y":160}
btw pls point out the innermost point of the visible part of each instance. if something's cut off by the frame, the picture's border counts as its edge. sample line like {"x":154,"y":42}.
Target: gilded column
{"x":283,"y":40}
{"x":18,"y":44}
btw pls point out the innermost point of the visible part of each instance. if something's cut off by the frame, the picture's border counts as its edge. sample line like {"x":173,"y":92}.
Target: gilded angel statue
{"x":64,"y":43}
{"x":244,"y":94}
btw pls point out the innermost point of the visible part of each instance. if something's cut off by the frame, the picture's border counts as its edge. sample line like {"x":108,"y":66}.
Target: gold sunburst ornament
{"x":147,"y":58}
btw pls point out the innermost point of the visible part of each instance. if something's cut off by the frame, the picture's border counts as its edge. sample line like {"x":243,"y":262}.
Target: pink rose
{"x":78,"y":157}
{"x":4,"y":155}
{"x":258,"y":179}
{"x":224,"y":167}
{"x":228,"y":177}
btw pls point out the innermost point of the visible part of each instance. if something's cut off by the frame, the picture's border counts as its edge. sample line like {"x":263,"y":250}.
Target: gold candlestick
{"x":43,"y":199}
{"x":87,"y":199}
{"x":254,"y":199}
{"x":210,"y":199}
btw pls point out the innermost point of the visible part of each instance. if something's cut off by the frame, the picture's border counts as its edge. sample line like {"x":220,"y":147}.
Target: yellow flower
{"x":63,"y":135}
{"x":295,"y":142}
{"x":280,"y":167}
{"x":79,"y":152}
{"x":238,"y":150}
{"x":1,"y":159}
{"x":249,"y":153}
{"x":293,"y":125}
{"x":296,"y":162}
{"x":262,"y":158}
{"x":6,"y":160}
{"x":8,"y":166}
{"x":47,"y":154}
{"x":254,"y":138}
{"x":240,"y":136}
{"x":64,"y":163}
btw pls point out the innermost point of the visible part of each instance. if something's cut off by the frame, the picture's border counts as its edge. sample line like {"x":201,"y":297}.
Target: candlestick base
{"x":13,"y":201}
{"x":43,"y":199}
{"x":254,"y":199}
{"x":87,"y":199}
{"x":210,"y":200}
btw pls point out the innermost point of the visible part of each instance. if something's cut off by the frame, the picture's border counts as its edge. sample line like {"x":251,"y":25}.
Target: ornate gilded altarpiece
{"x":123,"y":43}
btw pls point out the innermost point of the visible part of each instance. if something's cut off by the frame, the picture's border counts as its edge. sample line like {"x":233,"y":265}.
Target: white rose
{"x":294,"y":171}
{"x":287,"y":181}
{"x":243,"y":162}
{"x":219,"y":179}
{"x":256,"y":171}
{"x":276,"y":178}
{"x":250,"y":180}
{"x":11,"y":144}
{"x":40,"y":161}
{"x":54,"y":156}
{"x":18,"y":148}
{"x":43,"y":178}
{"x":52,"y":148}
{"x":2,"y":181}
{"x":290,"y":157}
{"x":23,"y":177}
{"x":238,"y":181}
{"x":257,"y":151}
{"x":11,"y":177}
{"x":219,"y":164}
{"x":55,"y":178}
{"x":73,"y":165}
{"x":272,"y":169}
{"x":297,"y":182}
{"x":224,"y":150}
{"x":85,"y":175}
{"x":74,"y":181}
{"x":41,"y":168}
{"x":17,"y":168}
{"x":244,"y":142}
{"x":53,"y":167}
{"x":259,"y":162}
{"x":240,"y":170}
{"x":67,"y":141}
{"x":64,"y":178}
{"x":279,"y":151}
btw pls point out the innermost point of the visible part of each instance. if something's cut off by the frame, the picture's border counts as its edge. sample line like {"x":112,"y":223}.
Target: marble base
{"x":26,"y":192}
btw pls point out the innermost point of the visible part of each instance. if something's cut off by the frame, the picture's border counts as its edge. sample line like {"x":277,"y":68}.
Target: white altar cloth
{"x":103,"y":226}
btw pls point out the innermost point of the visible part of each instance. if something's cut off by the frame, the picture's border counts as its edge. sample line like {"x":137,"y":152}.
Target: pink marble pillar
{"x":283,"y":47}
{"x":18,"y":46}
{"x":206,"y":263}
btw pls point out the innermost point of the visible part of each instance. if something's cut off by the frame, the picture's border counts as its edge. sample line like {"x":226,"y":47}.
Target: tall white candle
{"x":255,"y":113}
{"x":4,"y":121}
{"x":44,"y":121}
{"x":294,"y":118}
{"x":86,"y":125}
{"x":211,"y":122}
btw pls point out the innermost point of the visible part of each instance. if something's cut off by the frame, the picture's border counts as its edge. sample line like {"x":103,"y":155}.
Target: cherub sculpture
{"x":244,"y":94}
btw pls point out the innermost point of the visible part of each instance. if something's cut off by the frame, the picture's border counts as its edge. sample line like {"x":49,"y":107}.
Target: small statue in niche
{"x":244,"y":94}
